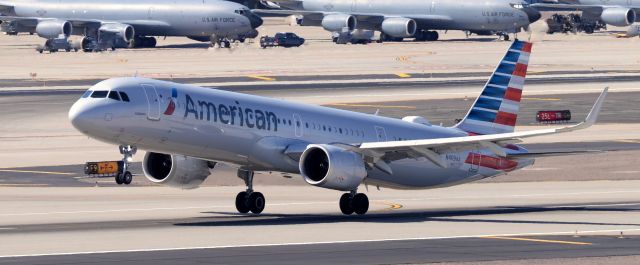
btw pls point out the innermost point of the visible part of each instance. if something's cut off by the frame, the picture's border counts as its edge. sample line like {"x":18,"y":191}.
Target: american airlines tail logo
{"x":172,"y":102}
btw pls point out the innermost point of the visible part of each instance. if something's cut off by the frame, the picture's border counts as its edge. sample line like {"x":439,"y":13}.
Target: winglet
{"x":592,"y":117}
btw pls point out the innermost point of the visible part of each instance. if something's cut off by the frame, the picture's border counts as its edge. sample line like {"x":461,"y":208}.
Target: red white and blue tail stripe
{"x":496,"y":109}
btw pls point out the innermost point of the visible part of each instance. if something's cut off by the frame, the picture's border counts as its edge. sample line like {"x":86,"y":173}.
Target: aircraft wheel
{"x":127,"y":178}
{"x":256,"y":202}
{"x":241,"y":202}
{"x":345,"y":204}
{"x":506,"y":37}
{"x":360,"y":203}
{"x":120,"y":179}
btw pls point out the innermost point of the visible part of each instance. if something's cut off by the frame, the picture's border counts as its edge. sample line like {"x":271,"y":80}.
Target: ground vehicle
{"x":282,"y":39}
{"x":573,"y":23}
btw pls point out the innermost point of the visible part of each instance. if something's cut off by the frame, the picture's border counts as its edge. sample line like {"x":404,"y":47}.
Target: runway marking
{"x":635,"y":141}
{"x":403,"y":75}
{"x":24,"y":185}
{"x":543,"y":99}
{"x":36,"y":172}
{"x":538,"y":240}
{"x":392,"y":205}
{"x":374,"y":106}
{"x":320,"y":243}
{"x":263,"y":78}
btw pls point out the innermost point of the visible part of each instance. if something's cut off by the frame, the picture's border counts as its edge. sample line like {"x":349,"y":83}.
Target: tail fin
{"x":496,"y":109}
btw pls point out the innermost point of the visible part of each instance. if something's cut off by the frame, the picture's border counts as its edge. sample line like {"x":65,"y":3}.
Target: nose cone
{"x":255,"y":20}
{"x":78,"y":116}
{"x":532,"y":13}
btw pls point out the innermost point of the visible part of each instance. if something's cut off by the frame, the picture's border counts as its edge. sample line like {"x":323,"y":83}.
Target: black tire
{"x":506,"y":37}
{"x":241,"y":202}
{"x":127,"y":178}
{"x":256,"y":202}
{"x":119,"y":179}
{"x":345,"y":204}
{"x":360,"y":203}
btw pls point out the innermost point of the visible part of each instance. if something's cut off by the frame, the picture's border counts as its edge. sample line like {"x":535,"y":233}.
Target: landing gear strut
{"x":354,"y":202}
{"x":125,"y":177}
{"x":249,"y":200}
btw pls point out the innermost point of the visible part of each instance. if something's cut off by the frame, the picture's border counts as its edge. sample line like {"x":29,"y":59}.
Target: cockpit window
{"x":87,"y":94}
{"x":241,"y":11}
{"x":114,"y":95}
{"x":99,"y":94}
{"x":124,"y":96}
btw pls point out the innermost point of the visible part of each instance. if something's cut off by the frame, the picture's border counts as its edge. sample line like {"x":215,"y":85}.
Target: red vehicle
{"x":553,"y":116}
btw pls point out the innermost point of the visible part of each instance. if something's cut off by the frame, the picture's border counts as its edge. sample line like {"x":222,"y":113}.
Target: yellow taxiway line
{"x":263,"y":78}
{"x":374,"y":106}
{"x":538,"y":240}
{"x":36,"y":172}
{"x":403,"y":75}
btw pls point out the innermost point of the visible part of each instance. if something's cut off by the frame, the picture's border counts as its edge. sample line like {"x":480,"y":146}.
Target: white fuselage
{"x":254,"y":132}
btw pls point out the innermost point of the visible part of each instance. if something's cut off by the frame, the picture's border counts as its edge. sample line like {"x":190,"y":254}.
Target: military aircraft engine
{"x":51,"y":29}
{"x":122,"y":31}
{"x":399,"y":27}
{"x":337,"y":22}
{"x":176,"y":171}
{"x":618,"y":16}
{"x":332,"y":167}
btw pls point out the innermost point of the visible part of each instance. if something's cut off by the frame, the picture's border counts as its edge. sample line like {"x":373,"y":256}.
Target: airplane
{"x":619,"y":13}
{"x":118,"y":23}
{"x":410,"y":19}
{"x":186,"y":130}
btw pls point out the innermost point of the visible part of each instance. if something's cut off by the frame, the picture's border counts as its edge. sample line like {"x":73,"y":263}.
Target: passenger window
{"x":114,"y":95}
{"x":86,"y":94}
{"x":124,"y":96}
{"x":99,"y":94}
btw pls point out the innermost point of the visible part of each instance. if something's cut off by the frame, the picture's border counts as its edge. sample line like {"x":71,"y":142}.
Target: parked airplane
{"x":186,"y":130}
{"x":117,"y":23}
{"x":612,"y":12}
{"x":410,"y":19}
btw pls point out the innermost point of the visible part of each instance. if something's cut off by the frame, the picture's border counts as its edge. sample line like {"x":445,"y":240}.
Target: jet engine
{"x":123,"y":31}
{"x":399,"y":27}
{"x":332,"y":167}
{"x":337,"y":22}
{"x":51,"y":29}
{"x":618,"y":16}
{"x":176,"y":171}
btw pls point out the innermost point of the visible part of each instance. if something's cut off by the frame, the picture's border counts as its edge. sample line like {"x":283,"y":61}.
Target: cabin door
{"x":153,"y":102}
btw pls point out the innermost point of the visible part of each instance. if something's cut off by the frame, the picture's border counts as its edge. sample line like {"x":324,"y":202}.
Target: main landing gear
{"x":249,"y":200}
{"x":354,"y":202}
{"x":125,"y":176}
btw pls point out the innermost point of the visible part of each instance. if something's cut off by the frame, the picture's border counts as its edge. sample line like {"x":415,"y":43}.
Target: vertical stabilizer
{"x":496,"y":109}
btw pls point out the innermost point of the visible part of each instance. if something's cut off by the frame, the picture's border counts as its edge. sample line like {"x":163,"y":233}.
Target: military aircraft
{"x":411,"y":18}
{"x":187,"y":129}
{"x":117,"y":23}
{"x":612,"y":12}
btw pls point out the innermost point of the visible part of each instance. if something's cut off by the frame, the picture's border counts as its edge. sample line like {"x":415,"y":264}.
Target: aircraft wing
{"x":569,"y":7}
{"x":368,"y":20}
{"x":430,"y":148}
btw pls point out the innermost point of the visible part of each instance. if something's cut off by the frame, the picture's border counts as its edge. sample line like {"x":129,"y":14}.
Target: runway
{"x":475,"y":222}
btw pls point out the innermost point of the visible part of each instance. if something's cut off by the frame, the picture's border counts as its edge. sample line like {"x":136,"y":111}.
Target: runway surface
{"x":474,"y":222}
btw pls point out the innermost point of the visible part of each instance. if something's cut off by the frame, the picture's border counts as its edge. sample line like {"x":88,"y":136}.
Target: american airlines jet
{"x":186,"y":130}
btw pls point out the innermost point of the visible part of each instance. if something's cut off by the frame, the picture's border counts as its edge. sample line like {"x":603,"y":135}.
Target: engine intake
{"x":337,"y":22}
{"x":332,"y":167}
{"x":618,"y":16}
{"x":123,"y":31}
{"x":399,"y":27}
{"x":51,"y":29}
{"x":175,"y":170}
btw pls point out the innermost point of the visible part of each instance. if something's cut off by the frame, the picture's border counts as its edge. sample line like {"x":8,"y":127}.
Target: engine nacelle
{"x":618,"y":16}
{"x":122,"y":31}
{"x":332,"y":167}
{"x":399,"y":27}
{"x":51,"y":29}
{"x":176,"y":171}
{"x":337,"y":22}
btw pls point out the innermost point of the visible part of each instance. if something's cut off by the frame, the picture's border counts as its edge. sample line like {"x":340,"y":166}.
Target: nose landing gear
{"x":249,"y":200}
{"x":126,"y":177}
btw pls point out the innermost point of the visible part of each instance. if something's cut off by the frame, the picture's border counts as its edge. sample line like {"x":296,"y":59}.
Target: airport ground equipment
{"x":115,"y":169}
{"x":573,"y":23}
{"x":281,"y":39}
{"x":57,"y":44}
{"x":358,"y":36}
